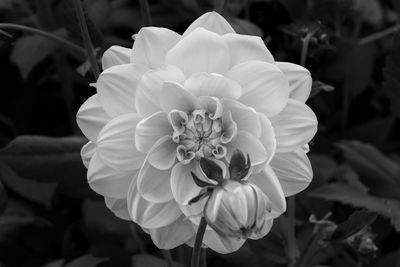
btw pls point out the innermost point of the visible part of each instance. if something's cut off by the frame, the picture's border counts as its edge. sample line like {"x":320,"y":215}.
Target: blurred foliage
{"x":50,"y":217}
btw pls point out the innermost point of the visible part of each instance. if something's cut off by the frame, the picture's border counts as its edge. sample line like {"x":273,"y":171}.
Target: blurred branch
{"x":145,"y":11}
{"x":379,"y":35}
{"x":54,"y":37}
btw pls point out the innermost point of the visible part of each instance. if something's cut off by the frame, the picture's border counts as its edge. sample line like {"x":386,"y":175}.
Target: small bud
{"x":237,"y":209}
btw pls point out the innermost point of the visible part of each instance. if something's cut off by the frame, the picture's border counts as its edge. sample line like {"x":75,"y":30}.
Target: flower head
{"x":174,"y":99}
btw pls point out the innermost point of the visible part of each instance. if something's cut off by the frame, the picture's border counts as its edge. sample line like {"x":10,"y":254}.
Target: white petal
{"x":299,"y":78}
{"x":211,"y":21}
{"x":182,"y":184}
{"x":163,"y":154}
{"x":267,"y":181}
{"x":147,"y":100}
{"x":246,"y":47}
{"x":115,"y":55}
{"x":200,"y":51}
{"x":154,"y":184}
{"x":148,"y":214}
{"x":295,"y":126}
{"x":107,"y":181}
{"x":293,"y":170}
{"x":245,"y":117}
{"x":119,"y":207}
{"x":267,"y":137}
{"x":174,"y":96}
{"x":87,"y":153}
{"x":248,"y":144}
{"x":212,"y":105}
{"x":116,"y":143}
{"x":149,"y":130}
{"x":264,"y":86}
{"x":174,"y":234}
{"x":264,"y":230}
{"x":212,"y":84}
{"x":151,"y":45}
{"x":91,"y":118}
{"x":116,"y":88}
{"x":221,"y":244}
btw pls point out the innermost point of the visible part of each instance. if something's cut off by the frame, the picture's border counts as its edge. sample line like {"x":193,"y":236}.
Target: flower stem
{"x":86,"y":38}
{"x":54,"y":37}
{"x":145,"y":10}
{"x":379,"y":35}
{"x":168,"y":257}
{"x":197,"y":243}
{"x":304,"y":49}
{"x":203,"y":257}
{"x":291,"y":231}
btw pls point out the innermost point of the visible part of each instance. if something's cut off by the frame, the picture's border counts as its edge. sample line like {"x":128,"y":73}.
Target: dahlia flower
{"x":173,"y":99}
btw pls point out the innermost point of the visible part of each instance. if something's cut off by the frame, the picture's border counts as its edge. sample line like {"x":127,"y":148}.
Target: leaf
{"x":354,"y":224}
{"x":86,"y":261}
{"x":3,"y":198}
{"x":318,"y":86}
{"x":211,"y":169}
{"x":351,"y":196}
{"x":56,"y":263}
{"x":145,"y":260}
{"x":391,"y":76}
{"x":239,"y":166}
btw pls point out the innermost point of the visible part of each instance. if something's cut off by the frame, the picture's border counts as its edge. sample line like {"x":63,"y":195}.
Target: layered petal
{"x":174,"y":96}
{"x":173,"y":235}
{"x":293,"y":170}
{"x":264,"y":86}
{"x":116,"y":88}
{"x":267,"y":137}
{"x":294,"y":127}
{"x":264,"y":230}
{"x":299,"y":78}
{"x":248,"y":144}
{"x":91,"y":117}
{"x":182,"y":184}
{"x":147,"y":100}
{"x":116,"y":143}
{"x":115,"y":55}
{"x":163,"y":153}
{"x":246,"y":47}
{"x":119,"y":207}
{"x":212,"y":84}
{"x":151,"y":45}
{"x":211,"y":21}
{"x":87,"y":153}
{"x":107,"y":181}
{"x":154,"y":184}
{"x":200,"y":51}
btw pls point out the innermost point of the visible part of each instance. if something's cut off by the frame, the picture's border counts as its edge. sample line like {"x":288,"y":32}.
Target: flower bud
{"x":237,"y":209}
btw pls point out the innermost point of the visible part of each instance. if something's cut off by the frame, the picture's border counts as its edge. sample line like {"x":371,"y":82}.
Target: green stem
{"x":54,"y":37}
{"x":203,"y":257}
{"x":291,"y":231}
{"x":308,"y":252}
{"x":379,"y":35}
{"x":197,"y":243}
{"x":146,"y":15}
{"x":86,"y":38}
{"x":168,"y":257}
{"x":304,"y":49}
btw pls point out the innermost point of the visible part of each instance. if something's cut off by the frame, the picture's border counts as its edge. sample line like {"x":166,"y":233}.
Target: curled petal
{"x":91,"y":117}
{"x":299,"y":78}
{"x":119,"y":207}
{"x":151,"y":45}
{"x":212,"y":84}
{"x":107,"y":181}
{"x":229,"y":128}
{"x":174,"y":96}
{"x":154,"y":184}
{"x":200,"y":51}
{"x":163,"y":154}
{"x":212,"y":105}
{"x":182,"y":184}
{"x":267,"y":137}
{"x":248,"y":144}
{"x":115,"y":55}
{"x":87,"y":153}
{"x":293,"y":170}
{"x":264,"y":86}
{"x":246,"y":47}
{"x":211,"y":21}
{"x":295,"y":126}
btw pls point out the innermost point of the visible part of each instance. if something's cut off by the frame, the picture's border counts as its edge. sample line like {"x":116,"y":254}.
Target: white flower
{"x":173,"y":99}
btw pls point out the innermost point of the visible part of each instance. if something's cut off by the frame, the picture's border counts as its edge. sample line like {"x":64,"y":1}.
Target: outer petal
{"x":174,"y":96}
{"x":107,"y":181}
{"x":154,"y":184}
{"x":174,"y":234}
{"x":149,"y":130}
{"x":267,"y":181}
{"x":211,"y":21}
{"x":264,"y":230}
{"x":293,"y":170}
{"x":182,"y":184}
{"x":91,"y":118}
{"x":163,"y":154}
{"x":115,"y":55}
{"x":116,"y":143}
{"x":87,"y":153}
{"x":248,"y":144}
{"x":151,"y":45}
{"x":147,"y":99}
{"x":119,"y":207}
{"x":116,"y":87}
{"x":295,"y":126}
{"x":150,"y":215}
{"x":246,"y":47}
{"x":206,"y":84}
{"x":200,"y":51}
{"x":299,"y":78}
{"x":267,"y":137}
{"x":264,"y":86}
{"x":221,"y":244}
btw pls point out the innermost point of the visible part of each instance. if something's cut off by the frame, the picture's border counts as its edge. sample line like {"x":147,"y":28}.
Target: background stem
{"x":168,"y":257}
{"x":197,"y":243}
{"x":291,"y":231}
{"x":146,"y":15}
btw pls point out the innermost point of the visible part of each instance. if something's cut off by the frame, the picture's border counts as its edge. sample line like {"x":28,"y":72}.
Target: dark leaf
{"x":86,"y":261}
{"x":201,"y":195}
{"x":318,"y":86}
{"x":211,"y":169}
{"x":239,"y":166}
{"x":198,"y":181}
{"x":146,"y":260}
{"x":354,"y":224}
